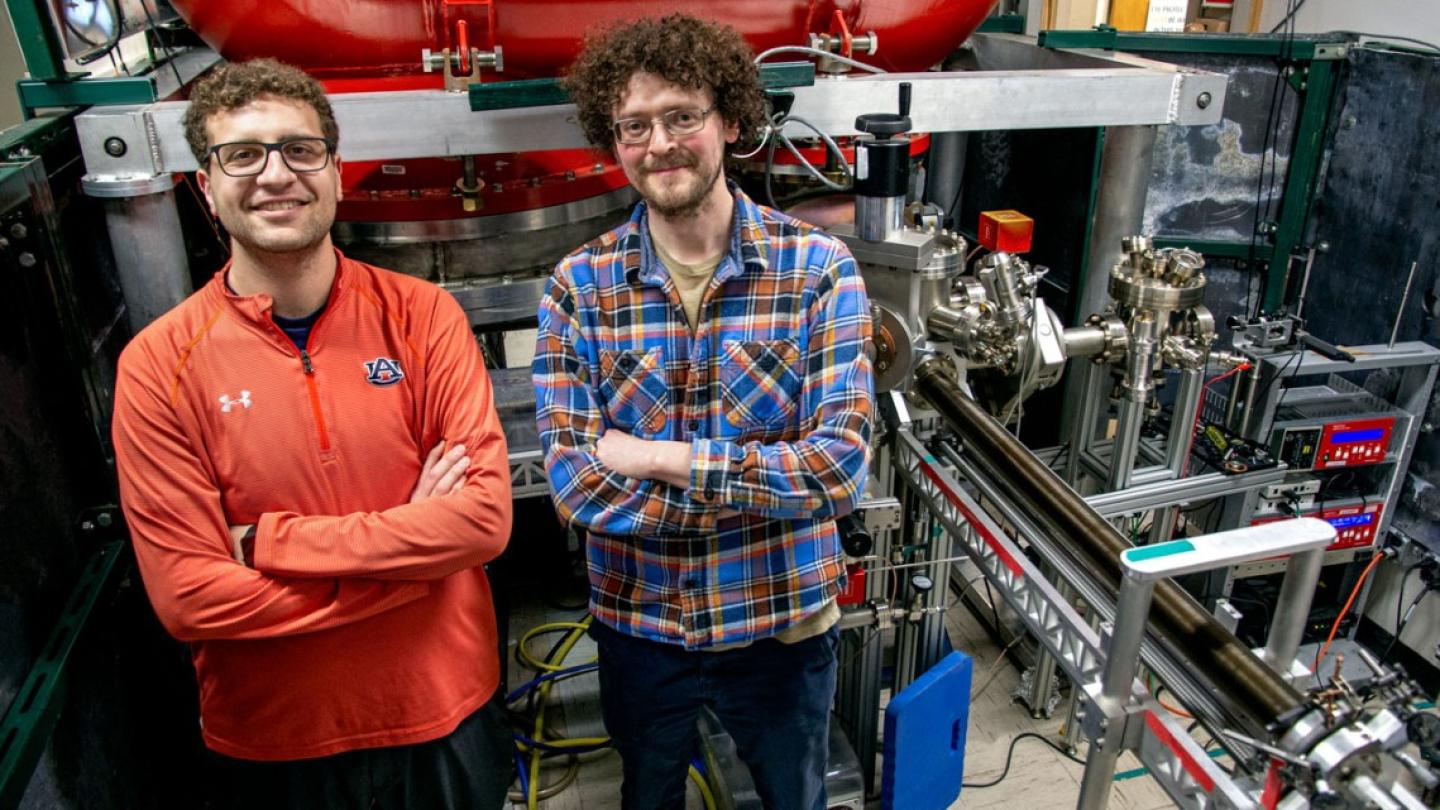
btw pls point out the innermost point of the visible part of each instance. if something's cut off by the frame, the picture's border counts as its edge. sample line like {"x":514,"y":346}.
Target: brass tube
{"x":1177,"y":620}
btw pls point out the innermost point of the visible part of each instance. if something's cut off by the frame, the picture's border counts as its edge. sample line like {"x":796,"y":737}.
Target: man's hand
{"x":237,"y":542}
{"x":640,"y":458}
{"x":443,"y":473}
{"x":625,"y":454}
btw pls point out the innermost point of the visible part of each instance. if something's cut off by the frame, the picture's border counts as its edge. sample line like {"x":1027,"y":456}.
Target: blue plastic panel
{"x":925,"y":738}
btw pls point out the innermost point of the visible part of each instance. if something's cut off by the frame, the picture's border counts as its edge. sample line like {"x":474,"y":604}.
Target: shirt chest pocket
{"x":760,"y":382}
{"x":632,"y":383}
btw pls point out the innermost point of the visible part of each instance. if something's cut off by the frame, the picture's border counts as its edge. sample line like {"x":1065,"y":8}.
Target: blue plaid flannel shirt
{"x":774,"y":392}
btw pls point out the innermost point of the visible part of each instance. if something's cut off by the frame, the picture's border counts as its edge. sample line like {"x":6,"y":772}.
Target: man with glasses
{"x":705,"y":406}
{"x":314,"y":474}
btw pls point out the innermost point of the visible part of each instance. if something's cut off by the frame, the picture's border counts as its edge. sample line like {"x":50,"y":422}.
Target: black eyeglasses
{"x":248,"y":158}
{"x":682,"y":121}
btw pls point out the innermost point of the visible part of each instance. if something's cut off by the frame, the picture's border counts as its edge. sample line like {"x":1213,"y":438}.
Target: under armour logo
{"x":227,"y":404}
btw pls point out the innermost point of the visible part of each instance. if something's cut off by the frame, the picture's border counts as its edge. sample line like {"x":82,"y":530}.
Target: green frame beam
{"x":1303,"y":173}
{"x":39,"y":43}
{"x":1003,"y":24}
{"x":1317,"y":66}
{"x":1106,"y":38}
{"x":36,"y":95}
{"x":25,"y":729}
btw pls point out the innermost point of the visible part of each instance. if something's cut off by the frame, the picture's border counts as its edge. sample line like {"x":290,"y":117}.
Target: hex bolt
{"x":27,"y":260}
{"x":18,"y":230}
{"x":115,"y":147}
{"x":1203,"y":100}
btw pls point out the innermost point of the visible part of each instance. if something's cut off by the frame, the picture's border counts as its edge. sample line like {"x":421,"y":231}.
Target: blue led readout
{"x":1352,"y":520}
{"x":1353,"y":436}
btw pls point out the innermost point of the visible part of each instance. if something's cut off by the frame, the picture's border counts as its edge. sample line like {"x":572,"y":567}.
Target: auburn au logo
{"x":383,"y":371}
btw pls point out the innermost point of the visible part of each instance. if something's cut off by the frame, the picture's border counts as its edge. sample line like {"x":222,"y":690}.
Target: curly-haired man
{"x":271,"y":437}
{"x":705,"y":406}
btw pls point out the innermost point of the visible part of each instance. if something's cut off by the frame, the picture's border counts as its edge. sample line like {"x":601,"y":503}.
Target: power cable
{"x":1289,"y":16}
{"x":1334,"y":628}
{"x":1010,"y":755}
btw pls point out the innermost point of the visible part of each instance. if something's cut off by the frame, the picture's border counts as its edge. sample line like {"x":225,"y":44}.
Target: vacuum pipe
{"x":1177,"y":619}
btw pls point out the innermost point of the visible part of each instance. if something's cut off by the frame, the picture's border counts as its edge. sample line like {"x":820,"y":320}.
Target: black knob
{"x":884,"y":125}
{"x":854,"y":537}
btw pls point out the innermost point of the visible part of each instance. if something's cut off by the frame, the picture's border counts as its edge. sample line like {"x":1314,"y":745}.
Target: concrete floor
{"x":1039,"y":776}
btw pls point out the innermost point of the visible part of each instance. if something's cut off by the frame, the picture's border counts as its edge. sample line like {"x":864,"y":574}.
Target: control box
{"x":1355,"y":522}
{"x":1354,"y":442}
{"x":1320,"y":428}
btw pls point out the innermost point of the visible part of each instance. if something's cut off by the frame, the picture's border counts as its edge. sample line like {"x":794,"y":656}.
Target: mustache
{"x":678,"y":161}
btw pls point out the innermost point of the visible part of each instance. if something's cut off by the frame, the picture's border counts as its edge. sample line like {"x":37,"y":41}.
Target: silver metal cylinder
{"x":1137,"y":385}
{"x":1121,"y":663}
{"x":944,"y":322}
{"x":1083,"y":341}
{"x":1182,"y":420}
{"x":1119,"y":206}
{"x":150,"y":258}
{"x":1252,"y":390}
{"x":1292,"y":609}
{"x":878,"y":218}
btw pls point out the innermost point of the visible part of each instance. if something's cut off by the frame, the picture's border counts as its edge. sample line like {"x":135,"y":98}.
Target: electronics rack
{"x":1346,"y":448}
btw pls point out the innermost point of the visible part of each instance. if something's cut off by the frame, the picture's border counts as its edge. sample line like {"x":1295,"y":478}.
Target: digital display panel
{"x":1353,"y":436}
{"x":1347,"y":521}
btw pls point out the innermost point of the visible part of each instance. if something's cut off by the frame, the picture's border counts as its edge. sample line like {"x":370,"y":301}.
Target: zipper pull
{"x":305,"y":362}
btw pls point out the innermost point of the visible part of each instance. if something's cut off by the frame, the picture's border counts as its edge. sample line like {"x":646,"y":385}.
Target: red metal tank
{"x":370,"y":39}
{"x":363,"y":45}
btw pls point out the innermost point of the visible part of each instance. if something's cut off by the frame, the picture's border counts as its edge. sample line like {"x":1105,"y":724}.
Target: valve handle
{"x":884,"y":125}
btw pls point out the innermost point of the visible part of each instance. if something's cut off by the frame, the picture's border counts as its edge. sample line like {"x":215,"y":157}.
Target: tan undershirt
{"x":691,"y":281}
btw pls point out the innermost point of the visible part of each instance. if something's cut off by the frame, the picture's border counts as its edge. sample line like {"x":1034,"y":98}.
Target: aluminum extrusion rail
{"x":1176,"y":761}
{"x":1180,"y":621}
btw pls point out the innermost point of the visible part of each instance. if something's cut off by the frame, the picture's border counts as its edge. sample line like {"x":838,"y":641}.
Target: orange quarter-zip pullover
{"x":367,"y":620}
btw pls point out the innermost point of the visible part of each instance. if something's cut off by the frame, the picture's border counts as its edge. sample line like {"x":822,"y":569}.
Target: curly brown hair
{"x":236,"y":84}
{"x":678,"y":48}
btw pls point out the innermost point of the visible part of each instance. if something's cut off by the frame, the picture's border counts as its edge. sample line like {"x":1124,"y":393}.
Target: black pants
{"x":472,"y":767}
{"x":772,"y":698}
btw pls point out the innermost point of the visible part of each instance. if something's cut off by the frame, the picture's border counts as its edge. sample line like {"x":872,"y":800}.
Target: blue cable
{"x":524,"y":776}
{"x":520,"y":691}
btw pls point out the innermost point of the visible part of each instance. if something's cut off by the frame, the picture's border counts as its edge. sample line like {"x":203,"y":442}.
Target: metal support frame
{"x":1316,"y":77}
{"x":1305,"y":538}
{"x":1119,"y":208}
{"x":158,"y":80}
{"x":1177,"y":762}
{"x":39,"y":43}
{"x":1061,"y":90}
{"x":25,"y":728}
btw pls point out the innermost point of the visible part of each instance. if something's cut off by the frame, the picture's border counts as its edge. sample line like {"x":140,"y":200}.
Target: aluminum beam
{"x":1072,"y":90}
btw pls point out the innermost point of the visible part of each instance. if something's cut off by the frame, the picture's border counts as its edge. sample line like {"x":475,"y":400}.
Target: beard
{"x":678,"y":197}
{"x":261,"y":237}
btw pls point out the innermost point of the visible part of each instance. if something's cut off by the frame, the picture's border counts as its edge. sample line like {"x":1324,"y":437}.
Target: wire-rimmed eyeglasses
{"x":681,"y":121}
{"x":248,"y":158}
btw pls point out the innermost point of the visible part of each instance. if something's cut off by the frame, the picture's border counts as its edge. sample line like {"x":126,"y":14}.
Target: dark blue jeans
{"x":772,"y":698}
